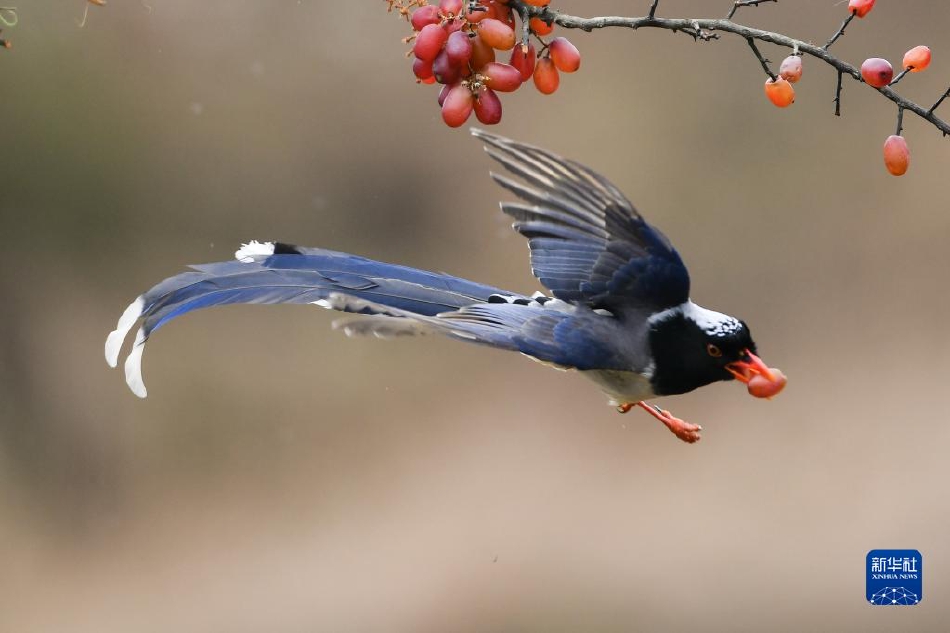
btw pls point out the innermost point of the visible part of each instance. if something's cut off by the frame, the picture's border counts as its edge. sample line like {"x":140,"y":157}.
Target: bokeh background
{"x":281,"y":477}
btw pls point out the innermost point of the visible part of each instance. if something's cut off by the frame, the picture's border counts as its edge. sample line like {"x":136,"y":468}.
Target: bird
{"x":617,"y":308}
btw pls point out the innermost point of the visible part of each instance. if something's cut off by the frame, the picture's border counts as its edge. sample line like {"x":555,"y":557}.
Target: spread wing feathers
{"x":293,"y":276}
{"x":588,"y":244}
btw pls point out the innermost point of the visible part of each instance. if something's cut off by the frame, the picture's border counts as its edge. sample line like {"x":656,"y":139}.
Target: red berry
{"x":565,"y":55}
{"x":450,"y":7}
{"x":502,"y":77}
{"x":422,"y":69}
{"x":537,"y":3}
{"x":877,"y":72}
{"x":791,"y":69}
{"x":429,"y":14}
{"x":454,"y":25}
{"x":457,"y":106}
{"x":546,"y":78}
{"x":860,"y":7}
{"x":496,"y":34}
{"x":482,"y":53}
{"x":780,"y":92}
{"x":444,"y":70}
{"x":896,"y":155}
{"x":444,"y":93}
{"x":523,"y":61}
{"x":429,"y":42}
{"x":540,"y":27}
{"x":487,"y":106}
{"x":459,"y":47}
{"x":917,"y":58}
{"x":479,"y":14}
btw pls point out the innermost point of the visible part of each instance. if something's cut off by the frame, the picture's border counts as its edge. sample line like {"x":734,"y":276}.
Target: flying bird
{"x":618,"y":311}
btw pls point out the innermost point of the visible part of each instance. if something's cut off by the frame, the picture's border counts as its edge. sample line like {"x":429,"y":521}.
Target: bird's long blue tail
{"x":281,"y":273}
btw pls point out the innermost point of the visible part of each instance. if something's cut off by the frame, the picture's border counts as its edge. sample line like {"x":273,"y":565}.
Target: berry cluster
{"x":875,"y":72}
{"x":455,"y":43}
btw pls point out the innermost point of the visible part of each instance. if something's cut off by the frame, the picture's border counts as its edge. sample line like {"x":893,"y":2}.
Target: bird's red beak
{"x":763,"y":381}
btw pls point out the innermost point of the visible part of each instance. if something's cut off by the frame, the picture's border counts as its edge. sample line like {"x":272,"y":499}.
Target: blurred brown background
{"x":281,"y":477}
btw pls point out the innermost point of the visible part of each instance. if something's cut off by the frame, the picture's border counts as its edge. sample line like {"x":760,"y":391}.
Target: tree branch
{"x":698,"y":27}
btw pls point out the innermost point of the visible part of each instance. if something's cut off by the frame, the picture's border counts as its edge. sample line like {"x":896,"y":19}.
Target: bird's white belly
{"x":622,"y":386}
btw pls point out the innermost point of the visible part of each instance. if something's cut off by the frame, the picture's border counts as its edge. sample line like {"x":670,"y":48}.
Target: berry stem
{"x":840,"y":32}
{"x":690,"y":26}
{"x":652,"y":13}
{"x":900,"y":120}
{"x":745,"y":3}
{"x":899,"y":76}
{"x":762,"y":60}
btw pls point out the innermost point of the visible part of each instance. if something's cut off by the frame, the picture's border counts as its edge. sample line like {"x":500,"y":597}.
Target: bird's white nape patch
{"x":133,"y":366}
{"x":709,"y":321}
{"x":117,"y":336}
{"x":253,"y":249}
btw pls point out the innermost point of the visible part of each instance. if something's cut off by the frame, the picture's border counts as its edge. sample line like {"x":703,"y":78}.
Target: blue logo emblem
{"x":894,"y":577}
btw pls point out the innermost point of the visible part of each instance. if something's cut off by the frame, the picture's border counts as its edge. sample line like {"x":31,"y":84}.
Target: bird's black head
{"x":693,"y":347}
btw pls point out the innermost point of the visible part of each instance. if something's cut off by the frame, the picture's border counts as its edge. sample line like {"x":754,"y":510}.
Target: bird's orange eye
{"x":713,"y":350}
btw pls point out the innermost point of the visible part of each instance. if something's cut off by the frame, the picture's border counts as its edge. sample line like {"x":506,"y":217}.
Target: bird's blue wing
{"x":563,"y":338}
{"x":588,"y":244}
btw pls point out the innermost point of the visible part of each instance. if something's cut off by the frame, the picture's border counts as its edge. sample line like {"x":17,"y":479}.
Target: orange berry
{"x":917,"y":58}
{"x":546,"y":78}
{"x":564,"y":55}
{"x":860,"y":7}
{"x":896,"y":155}
{"x":780,"y":92}
{"x":496,"y":34}
{"x":540,"y":27}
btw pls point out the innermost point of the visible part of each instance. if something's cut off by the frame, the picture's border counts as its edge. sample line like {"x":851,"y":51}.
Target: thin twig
{"x":899,"y":76}
{"x":653,"y":8}
{"x":840,"y":32}
{"x":762,"y":60}
{"x":900,"y":120}
{"x":745,"y":3}
{"x":838,"y":96}
{"x":688,"y":25}
{"x":939,"y":101}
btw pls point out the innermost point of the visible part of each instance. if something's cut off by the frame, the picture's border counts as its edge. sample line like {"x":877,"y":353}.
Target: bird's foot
{"x":680,"y":428}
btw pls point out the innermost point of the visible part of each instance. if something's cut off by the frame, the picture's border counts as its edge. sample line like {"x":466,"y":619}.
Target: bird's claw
{"x":680,"y":428}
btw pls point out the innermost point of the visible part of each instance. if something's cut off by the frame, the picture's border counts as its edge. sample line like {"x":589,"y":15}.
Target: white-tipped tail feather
{"x":133,"y":366}
{"x":117,"y":336}
{"x":253,"y":249}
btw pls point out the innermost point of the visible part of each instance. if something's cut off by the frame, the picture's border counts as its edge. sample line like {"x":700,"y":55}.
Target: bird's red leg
{"x":680,"y":428}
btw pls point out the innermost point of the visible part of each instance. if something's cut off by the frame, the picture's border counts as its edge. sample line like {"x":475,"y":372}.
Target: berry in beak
{"x":762,"y":381}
